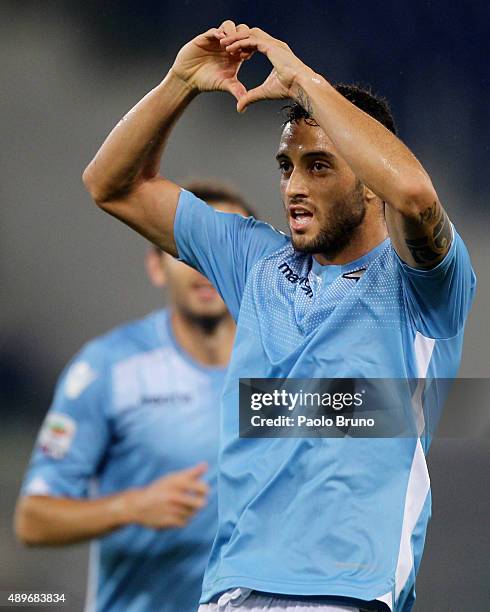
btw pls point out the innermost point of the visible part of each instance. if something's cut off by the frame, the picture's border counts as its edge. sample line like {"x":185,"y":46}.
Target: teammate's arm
{"x":123,"y":178}
{"x":417,"y":223}
{"x":169,"y":502}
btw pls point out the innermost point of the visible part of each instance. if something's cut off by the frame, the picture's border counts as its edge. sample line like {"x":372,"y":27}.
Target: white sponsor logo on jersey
{"x":56,"y":435}
{"x":80,"y":376}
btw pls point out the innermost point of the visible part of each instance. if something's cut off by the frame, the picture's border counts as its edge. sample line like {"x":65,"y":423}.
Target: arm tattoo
{"x":303,"y":100}
{"x":431,"y":248}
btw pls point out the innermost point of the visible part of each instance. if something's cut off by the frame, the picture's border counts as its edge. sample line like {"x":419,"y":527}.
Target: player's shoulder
{"x":125,"y":340}
{"x":278,"y":238}
{"x":189,"y":201}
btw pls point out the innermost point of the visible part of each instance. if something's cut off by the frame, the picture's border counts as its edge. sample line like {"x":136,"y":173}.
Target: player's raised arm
{"x":417,"y":223}
{"x":123,"y":178}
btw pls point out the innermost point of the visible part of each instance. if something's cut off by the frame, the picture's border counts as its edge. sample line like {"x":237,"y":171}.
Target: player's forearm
{"x":52,"y":521}
{"x":376,"y":156}
{"x":132,"y":151}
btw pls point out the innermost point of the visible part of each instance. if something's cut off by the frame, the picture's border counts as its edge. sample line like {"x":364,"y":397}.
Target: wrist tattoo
{"x":304,"y":101}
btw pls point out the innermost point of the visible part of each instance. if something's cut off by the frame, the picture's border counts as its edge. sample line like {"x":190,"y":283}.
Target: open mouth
{"x":299,"y":218}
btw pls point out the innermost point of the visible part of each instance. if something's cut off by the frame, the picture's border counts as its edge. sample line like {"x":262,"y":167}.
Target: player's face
{"x":189,"y":291}
{"x":323,"y":198}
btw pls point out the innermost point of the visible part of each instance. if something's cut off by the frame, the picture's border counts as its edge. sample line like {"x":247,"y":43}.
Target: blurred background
{"x":70,"y":70}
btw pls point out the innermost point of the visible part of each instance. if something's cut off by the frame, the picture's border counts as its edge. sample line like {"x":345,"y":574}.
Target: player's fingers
{"x":190,"y":483}
{"x":246,"y":55}
{"x":196,"y":487}
{"x":253,"y":95}
{"x":189,"y":503}
{"x":228,"y":27}
{"x":259,"y":33}
{"x":243,"y":45}
{"x":196,"y":471}
{"x":214,"y":33}
{"x":234,"y":87}
{"x":182,"y":502}
{"x":234,"y":36}
{"x":185,"y":504}
{"x":264,"y":38}
{"x":242,"y":27}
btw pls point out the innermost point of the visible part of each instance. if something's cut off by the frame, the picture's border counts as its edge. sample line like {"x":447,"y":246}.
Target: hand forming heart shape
{"x":211,"y":62}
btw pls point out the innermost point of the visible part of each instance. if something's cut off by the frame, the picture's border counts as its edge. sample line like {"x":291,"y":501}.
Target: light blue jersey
{"x":323,"y":516}
{"x":130,"y":408}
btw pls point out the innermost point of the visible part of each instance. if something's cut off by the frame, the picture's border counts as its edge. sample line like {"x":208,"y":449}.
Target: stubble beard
{"x":345,"y":219}
{"x":208,"y":323}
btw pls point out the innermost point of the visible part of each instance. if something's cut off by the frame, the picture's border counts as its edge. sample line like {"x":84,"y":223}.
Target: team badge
{"x":79,"y":377}
{"x":57,"y":435}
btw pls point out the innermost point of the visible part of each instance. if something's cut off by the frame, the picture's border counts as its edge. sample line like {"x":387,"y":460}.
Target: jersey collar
{"x":331,"y":271}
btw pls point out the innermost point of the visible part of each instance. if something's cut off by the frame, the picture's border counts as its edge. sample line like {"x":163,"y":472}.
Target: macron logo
{"x":294,"y":278}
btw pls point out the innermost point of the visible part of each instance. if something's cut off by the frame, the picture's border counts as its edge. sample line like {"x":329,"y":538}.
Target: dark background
{"x":69,"y":71}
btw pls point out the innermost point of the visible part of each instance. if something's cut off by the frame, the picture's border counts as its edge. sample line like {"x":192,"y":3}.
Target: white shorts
{"x":245,"y":599}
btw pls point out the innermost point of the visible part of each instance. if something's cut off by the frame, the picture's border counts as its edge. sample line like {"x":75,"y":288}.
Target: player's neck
{"x":366,"y":238}
{"x":208,"y":346}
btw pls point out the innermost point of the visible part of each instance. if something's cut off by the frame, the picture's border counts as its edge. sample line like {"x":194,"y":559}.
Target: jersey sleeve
{"x":75,"y":433}
{"x":440,"y":299}
{"x":222,"y":246}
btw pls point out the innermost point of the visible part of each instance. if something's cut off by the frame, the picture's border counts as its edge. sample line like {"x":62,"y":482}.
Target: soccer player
{"x":374,"y":282}
{"x":136,"y":412}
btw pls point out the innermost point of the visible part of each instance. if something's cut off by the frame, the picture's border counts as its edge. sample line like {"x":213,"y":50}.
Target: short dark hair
{"x":213,"y":191}
{"x":361,"y":96}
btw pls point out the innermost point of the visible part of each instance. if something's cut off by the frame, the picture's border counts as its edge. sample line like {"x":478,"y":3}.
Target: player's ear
{"x":155,"y":266}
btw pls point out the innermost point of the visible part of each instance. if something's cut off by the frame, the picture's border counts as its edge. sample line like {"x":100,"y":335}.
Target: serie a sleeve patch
{"x":56,"y":435}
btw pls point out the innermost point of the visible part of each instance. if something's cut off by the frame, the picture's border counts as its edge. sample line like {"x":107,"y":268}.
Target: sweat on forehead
{"x":303,"y":136}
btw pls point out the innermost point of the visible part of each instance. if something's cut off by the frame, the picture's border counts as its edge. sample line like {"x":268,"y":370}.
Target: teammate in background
{"x":380,"y":287}
{"x":137,"y":411}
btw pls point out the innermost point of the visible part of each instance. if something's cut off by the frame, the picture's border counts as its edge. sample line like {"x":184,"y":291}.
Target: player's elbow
{"x":415,"y":196}
{"x":27,"y":525}
{"x":99,"y":193}
{"x":103,"y":193}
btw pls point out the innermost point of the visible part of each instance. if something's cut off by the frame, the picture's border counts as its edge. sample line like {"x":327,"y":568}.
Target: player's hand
{"x":170,"y":501}
{"x":204,"y":65}
{"x":281,"y":82}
